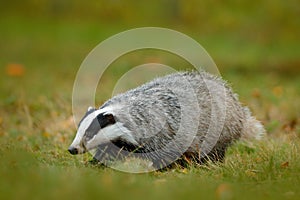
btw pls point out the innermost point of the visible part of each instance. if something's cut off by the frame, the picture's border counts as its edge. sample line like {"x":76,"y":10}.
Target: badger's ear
{"x":90,"y":108}
{"x":110,"y":118}
{"x":106,"y":119}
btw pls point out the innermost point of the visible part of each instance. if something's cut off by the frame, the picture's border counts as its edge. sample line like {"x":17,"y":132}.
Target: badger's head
{"x":97,"y":127}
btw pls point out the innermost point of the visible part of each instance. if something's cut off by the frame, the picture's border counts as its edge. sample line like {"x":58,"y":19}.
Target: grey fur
{"x":153,"y":113}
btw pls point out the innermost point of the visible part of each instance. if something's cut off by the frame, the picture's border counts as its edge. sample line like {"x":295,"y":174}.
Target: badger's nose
{"x":73,"y":150}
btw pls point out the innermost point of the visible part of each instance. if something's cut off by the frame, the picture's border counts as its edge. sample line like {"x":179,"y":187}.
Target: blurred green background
{"x":255,"y":44}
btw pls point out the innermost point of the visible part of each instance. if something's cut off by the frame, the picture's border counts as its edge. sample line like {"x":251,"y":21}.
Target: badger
{"x":184,"y":116}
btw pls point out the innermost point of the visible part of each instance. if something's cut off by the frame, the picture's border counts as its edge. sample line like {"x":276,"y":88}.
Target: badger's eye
{"x":105,"y":120}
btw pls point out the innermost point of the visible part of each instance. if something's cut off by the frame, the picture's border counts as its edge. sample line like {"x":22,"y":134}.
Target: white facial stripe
{"x":81,"y":130}
{"x":86,"y":123}
{"x":105,"y":135}
{"x":106,"y":110}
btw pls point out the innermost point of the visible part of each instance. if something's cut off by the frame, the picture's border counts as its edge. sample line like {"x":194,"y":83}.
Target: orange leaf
{"x":284,"y":164}
{"x":14,"y":69}
{"x":184,"y":171}
{"x":46,"y":134}
{"x":224,"y":191}
{"x":256,"y":93}
{"x":277,"y":91}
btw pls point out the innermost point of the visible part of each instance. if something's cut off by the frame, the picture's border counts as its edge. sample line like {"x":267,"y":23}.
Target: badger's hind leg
{"x":216,"y":155}
{"x":190,"y":159}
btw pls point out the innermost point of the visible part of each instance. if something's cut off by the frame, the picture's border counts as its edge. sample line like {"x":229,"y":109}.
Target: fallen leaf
{"x":290,"y":126}
{"x":184,"y":171}
{"x":251,"y":173}
{"x":289,"y":194}
{"x":160,"y":181}
{"x":46,"y":134}
{"x":277,"y":91}
{"x":224,"y":191}
{"x":153,"y":60}
{"x":107,"y":180}
{"x":15,"y":69}
{"x":284,"y":164}
{"x":256,"y":93}
{"x":20,"y":138}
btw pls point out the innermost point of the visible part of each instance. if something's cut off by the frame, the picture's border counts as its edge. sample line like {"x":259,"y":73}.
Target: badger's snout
{"x":73,"y":150}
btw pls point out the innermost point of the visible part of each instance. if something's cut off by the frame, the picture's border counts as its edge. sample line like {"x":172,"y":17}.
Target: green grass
{"x":36,"y":124}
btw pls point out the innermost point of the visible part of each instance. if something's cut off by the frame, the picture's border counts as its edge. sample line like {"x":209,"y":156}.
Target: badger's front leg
{"x":108,"y":153}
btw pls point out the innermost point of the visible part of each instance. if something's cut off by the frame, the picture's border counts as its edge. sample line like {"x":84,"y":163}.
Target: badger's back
{"x":153,"y":113}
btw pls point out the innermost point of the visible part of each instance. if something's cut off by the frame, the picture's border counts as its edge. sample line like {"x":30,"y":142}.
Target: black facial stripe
{"x":105,"y":120}
{"x":99,"y":122}
{"x":93,"y":129}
